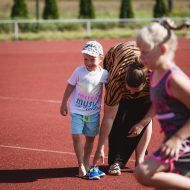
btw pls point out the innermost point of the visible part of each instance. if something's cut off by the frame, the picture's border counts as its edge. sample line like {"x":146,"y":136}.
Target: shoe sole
{"x":112,"y":172}
{"x":95,"y":177}
{"x":102,"y":175}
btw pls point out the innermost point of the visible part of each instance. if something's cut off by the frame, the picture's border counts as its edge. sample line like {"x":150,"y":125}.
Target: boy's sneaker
{"x":101,"y":173}
{"x":94,"y":173}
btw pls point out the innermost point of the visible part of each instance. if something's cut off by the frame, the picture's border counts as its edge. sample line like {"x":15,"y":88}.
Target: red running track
{"x":35,"y":140}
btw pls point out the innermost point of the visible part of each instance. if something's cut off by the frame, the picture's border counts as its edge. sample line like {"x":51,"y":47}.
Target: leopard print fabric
{"x":116,"y":61}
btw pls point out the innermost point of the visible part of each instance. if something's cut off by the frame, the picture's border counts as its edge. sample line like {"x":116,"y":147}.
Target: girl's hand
{"x":170,"y":148}
{"x":135,"y":130}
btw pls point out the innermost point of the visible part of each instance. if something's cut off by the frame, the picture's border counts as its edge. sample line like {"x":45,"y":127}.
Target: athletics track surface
{"x":35,"y":143}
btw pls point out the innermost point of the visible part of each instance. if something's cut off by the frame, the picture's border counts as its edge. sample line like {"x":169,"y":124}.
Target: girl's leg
{"x":87,"y":151}
{"x":78,"y":147}
{"x":153,"y":174}
{"x":143,"y":144}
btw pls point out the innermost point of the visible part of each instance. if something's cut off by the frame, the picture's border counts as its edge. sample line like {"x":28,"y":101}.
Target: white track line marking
{"x":30,"y":99}
{"x":36,"y":149}
{"x":45,"y":150}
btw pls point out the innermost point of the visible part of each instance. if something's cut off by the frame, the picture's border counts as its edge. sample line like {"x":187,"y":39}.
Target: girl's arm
{"x":180,"y":89}
{"x":171,"y":147}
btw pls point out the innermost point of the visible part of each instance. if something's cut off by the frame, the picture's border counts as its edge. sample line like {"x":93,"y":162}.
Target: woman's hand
{"x":135,"y":130}
{"x":99,"y":155}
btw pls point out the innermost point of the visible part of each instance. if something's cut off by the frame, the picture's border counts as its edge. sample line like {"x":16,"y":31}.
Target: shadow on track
{"x":31,"y":175}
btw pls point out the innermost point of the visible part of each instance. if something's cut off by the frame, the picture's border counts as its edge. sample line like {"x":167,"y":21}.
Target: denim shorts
{"x":87,"y":125}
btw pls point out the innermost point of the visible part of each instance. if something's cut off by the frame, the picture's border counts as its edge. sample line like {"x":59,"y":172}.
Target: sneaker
{"x":101,"y":173}
{"x":114,"y":169}
{"x":94,"y":173}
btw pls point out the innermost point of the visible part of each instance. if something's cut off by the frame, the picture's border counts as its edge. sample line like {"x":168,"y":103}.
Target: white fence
{"x":87,"y":22}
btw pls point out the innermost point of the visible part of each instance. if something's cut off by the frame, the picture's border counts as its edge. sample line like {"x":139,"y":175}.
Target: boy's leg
{"x":143,"y":144}
{"x":78,"y":147}
{"x":153,"y":174}
{"x":90,"y":130}
{"x":77,"y":125}
{"x":87,"y":151}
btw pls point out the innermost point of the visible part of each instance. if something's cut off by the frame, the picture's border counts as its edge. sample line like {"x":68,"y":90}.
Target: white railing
{"x":87,"y":22}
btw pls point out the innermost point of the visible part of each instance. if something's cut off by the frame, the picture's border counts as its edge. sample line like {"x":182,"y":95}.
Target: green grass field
{"x":68,"y":9}
{"x":103,"y":8}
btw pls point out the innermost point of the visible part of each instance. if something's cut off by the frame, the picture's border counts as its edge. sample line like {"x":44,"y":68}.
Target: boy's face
{"x":91,"y":63}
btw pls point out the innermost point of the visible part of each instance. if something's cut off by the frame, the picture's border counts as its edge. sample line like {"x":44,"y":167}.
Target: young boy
{"x":85,"y":87}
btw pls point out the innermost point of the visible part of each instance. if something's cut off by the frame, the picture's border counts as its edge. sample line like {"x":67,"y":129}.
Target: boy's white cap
{"x":93,"y":48}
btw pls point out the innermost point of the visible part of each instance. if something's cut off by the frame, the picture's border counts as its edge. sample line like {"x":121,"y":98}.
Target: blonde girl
{"x":169,"y":166}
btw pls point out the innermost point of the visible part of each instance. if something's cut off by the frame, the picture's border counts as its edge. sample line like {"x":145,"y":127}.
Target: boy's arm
{"x":69,"y":89}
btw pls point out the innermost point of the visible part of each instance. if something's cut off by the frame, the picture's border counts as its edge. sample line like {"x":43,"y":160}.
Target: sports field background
{"x":35,"y":140}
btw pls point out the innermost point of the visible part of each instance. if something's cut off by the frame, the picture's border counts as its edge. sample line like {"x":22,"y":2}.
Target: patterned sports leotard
{"x":172,"y":115}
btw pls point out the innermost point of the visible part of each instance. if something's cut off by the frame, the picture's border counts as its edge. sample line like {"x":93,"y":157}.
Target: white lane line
{"x":30,"y":99}
{"x":45,"y":150}
{"x":36,"y":149}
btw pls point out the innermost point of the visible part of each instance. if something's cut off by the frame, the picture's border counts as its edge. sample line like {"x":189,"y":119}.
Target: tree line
{"x":87,"y":10}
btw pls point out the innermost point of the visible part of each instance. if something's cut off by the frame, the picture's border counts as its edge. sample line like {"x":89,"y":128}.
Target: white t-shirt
{"x":87,"y":94}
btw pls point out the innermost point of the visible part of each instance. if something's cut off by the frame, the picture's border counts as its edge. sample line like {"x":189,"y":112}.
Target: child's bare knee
{"x":142,"y":176}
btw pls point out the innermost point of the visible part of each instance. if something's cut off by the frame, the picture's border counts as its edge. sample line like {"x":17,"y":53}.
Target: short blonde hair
{"x":159,"y":33}
{"x":156,"y":34}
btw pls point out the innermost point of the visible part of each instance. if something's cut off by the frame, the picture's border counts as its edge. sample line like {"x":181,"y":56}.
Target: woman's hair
{"x":158,"y":33}
{"x":136,"y":74}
